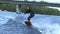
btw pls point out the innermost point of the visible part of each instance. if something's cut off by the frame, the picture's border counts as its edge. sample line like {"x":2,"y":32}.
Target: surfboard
{"x":28,"y":23}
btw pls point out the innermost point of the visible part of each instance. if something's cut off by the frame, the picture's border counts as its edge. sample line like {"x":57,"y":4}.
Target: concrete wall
{"x":18,"y":0}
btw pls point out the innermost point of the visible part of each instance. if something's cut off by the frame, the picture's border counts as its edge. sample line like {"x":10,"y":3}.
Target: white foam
{"x":46,"y":24}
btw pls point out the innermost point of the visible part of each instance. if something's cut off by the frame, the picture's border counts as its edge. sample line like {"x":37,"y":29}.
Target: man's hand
{"x":24,"y":13}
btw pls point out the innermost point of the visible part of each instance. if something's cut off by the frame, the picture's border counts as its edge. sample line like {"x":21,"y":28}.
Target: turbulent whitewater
{"x":12,"y":23}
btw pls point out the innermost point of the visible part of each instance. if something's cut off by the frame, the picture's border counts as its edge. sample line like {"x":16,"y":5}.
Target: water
{"x":46,"y":24}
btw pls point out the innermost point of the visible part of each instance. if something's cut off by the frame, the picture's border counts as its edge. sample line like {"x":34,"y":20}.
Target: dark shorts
{"x":32,"y":15}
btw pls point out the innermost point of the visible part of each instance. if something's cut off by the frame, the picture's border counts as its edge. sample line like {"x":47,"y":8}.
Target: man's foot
{"x":28,"y":23}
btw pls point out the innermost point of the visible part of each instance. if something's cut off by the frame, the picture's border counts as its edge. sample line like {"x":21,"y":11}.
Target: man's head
{"x":28,"y":7}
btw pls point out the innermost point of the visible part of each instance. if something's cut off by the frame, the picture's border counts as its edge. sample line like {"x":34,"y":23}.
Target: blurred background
{"x":38,"y":9}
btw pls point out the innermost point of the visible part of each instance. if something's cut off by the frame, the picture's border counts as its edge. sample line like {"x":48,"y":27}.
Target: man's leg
{"x":30,"y":17}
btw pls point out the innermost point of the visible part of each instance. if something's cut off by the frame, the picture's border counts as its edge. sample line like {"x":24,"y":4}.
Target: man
{"x":30,"y":16}
{"x":31,"y":13}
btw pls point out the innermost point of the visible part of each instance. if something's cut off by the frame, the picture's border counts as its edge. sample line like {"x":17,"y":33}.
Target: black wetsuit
{"x":31,"y":14}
